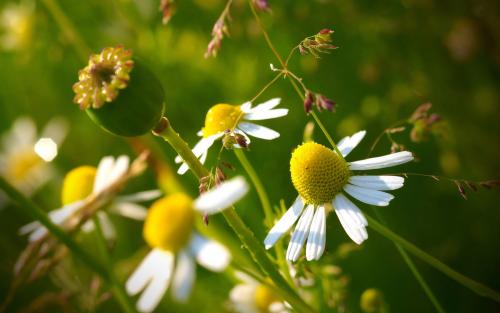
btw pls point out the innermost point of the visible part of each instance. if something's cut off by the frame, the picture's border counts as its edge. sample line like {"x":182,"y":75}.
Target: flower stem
{"x":473,"y":285}
{"x":29,"y":208}
{"x":259,"y":187}
{"x":413,"y":268}
{"x":247,"y":237}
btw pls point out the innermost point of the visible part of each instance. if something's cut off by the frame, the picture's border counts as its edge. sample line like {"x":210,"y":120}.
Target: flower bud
{"x":308,"y":102}
{"x":372,"y":301}
{"x":119,"y":93}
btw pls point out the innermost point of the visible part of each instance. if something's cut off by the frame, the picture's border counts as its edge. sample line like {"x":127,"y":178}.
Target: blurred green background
{"x":393,"y":56}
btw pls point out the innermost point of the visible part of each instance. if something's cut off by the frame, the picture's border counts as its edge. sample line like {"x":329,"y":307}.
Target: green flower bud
{"x":120,"y":93}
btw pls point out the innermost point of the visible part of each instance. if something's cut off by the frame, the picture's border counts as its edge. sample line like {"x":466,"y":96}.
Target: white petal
{"x":200,"y":150}
{"x":243,"y":298}
{"x":258,"y":131}
{"x":377,"y":182}
{"x":222,"y":196}
{"x":119,"y":169}
{"x":154,"y":275}
{"x":265,"y":115}
{"x":108,"y":230}
{"x":300,"y":234}
{"x":129,"y":210}
{"x":369,"y":196}
{"x":103,"y":170}
{"x":382,"y":161}
{"x":246,"y":107}
{"x":265,"y":106}
{"x":351,"y":218}
{"x":209,"y":254}
{"x":46,"y":148}
{"x":56,"y":129}
{"x":184,"y":276}
{"x":285,"y":223}
{"x":317,"y":235}
{"x":347,"y":144}
{"x":183,"y":169}
{"x":140,"y":196}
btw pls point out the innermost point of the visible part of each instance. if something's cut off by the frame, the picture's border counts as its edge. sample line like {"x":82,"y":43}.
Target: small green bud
{"x":120,"y":93}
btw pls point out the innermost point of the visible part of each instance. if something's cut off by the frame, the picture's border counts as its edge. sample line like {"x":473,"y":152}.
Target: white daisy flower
{"x":25,"y":156}
{"x":85,"y":181}
{"x":322,"y":179}
{"x":16,"y":25}
{"x":223,"y":117}
{"x":168,"y":230}
{"x":252,"y":297}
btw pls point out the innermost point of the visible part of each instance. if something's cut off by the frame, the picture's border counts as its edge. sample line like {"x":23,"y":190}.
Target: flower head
{"x":168,"y":230}
{"x":101,"y":80}
{"x":322,"y":178}
{"x":232,"y":123}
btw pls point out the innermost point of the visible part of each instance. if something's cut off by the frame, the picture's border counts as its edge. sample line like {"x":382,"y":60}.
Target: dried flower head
{"x":167,"y":8}
{"x":425,"y":123}
{"x":103,"y":77}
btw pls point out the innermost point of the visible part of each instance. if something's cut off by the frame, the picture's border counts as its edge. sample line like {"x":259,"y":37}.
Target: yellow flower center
{"x":264,"y":296}
{"x":318,"y":173}
{"x":21,"y":164}
{"x":78,"y":184}
{"x":221,"y":117}
{"x":169,"y":223}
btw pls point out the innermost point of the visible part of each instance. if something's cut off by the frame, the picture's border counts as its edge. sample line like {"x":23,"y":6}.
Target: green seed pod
{"x":119,"y":93}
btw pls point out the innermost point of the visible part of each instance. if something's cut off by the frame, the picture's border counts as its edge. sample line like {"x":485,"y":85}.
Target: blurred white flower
{"x":236,"y":119}
{"x":25,"y":156}
{"x":16,"y":25}
{"x":86,"y":181}
{"x":252,"y":297}
{"x":168,"y":230}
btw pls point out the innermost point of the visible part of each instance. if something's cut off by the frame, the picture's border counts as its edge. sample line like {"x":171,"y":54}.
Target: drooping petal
{"x":222,"y":196}
{"x":317,"y":235}
{"x":258,"y":131}
{"x":369,"y":196}
{"x":129,"y":210}
{"x":184,"y":277}
{"x":265,"y":115}
{"x":154,"y":275}
{"x":347,"y":144}
{"x":200,"y":150}
{"x":382,"y":161}
{"x":209,"y":254}
{"x":351,"y":218}
{"x":300,"y":234}
{"x":108,"y":230}
{"x":285,"y":223}
{"x":383,"y":182}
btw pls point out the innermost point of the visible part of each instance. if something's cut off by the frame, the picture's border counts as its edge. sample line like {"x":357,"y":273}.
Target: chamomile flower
{"x":25,"y":156}
{"x":85,"y":181}
{"x":168,"y":230}
{"x":252,"y":297}
{"x":235,"y":118}
{"x":322,"y":179}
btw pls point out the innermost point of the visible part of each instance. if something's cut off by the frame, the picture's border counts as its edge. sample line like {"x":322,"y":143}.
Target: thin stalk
{"x":473,"y":285}
{"x":259,"y":187}
{"x":413,"y":268}
{"x":67,"y":28}
{"x":30,"y":209}
{"x":247,"y":237}
{"x":116,"y":287}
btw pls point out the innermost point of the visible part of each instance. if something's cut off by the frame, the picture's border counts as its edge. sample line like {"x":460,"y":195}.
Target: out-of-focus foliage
{"x":392,"y":57}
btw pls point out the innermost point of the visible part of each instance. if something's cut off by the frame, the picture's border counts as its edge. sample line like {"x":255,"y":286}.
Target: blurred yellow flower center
{"x":169,"y":223}
{"x":318,"y":173}
{"x":264,"y":296}
{"x":221,"y":117}
{"x":78,"y":184}
{"x":21,"y":164}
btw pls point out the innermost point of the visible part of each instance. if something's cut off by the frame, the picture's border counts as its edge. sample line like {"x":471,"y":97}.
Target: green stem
{"x":259,"y":187}
{"x":413,"y":268}
{"x":254,"y":247}
{"x":67,"y":28}
{"x":116,"y":287}
{"x":473,"y":285}
{"x":33,"y":211}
